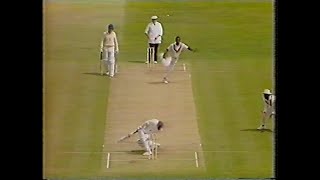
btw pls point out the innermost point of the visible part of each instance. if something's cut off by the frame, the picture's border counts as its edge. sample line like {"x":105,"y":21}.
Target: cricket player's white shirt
{"x":175,"y":50}
{"x":269,"y":104}
{"x":109,"y":40}
{"x":154,"y":30}
{"x":150,"y":126}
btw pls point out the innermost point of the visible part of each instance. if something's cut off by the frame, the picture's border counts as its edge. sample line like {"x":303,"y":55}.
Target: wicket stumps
{"x":150,"y":56}
{"x":154,"y":147}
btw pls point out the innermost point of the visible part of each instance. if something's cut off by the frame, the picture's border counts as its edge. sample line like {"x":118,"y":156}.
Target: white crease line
{"x":167,"y":152}
{"x":196,"y":158}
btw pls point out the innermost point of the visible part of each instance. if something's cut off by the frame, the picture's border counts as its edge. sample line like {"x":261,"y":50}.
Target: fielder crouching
{"x":269,"y":107}
{"x":145,"y":132}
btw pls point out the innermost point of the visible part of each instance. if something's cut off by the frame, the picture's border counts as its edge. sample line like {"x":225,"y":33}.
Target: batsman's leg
{"x":111,"y":61}
{"x":100,"y":66}
{"x":103,"y":63}
{"x":144,"y":139}
{"x":116,"y":63}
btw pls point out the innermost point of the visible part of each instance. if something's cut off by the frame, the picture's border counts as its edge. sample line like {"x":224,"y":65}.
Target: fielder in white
{"x":108,"y":48}
{"x":145,"y":131}
{"x":268,"y":110}
{"x":171,"y":56}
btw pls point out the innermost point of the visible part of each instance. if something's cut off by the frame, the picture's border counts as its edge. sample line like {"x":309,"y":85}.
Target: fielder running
{"x":108,"y":49}
{"x":269,"y":110}
{"x":173,"y":51}
{"x":145,"y":132}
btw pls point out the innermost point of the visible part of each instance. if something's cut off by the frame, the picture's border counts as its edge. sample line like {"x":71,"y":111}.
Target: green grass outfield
{"x":229,"y":72}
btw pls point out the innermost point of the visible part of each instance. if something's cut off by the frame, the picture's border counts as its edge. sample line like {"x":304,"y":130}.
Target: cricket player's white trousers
{"x":267,"y":114}
{"x":109,"y":60}
{"x":145,"y":141}
{"x":170,"y":67}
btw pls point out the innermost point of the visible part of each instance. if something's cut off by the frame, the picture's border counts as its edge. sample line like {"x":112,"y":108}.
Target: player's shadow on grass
{"x":257,"y":130}
{"x":140,"y":62}
{"x":160,"y":82}
{"x":156,"y":82}
{"x":136,"y":152}
{"x":93,"y":73}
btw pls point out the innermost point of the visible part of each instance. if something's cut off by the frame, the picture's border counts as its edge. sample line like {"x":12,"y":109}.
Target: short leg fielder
{"x":269,"y":110}
{"x":265,"y":116}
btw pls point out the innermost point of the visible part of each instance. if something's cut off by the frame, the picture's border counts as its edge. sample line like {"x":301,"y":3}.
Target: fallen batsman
{"x":145,"y":132}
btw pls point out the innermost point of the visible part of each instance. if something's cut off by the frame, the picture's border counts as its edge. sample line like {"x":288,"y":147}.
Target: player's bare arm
{"x":191,"y":49}
{"x":165,"y":53}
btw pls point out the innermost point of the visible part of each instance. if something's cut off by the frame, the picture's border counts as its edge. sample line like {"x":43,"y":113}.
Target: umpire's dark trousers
{"x":156,"y":46}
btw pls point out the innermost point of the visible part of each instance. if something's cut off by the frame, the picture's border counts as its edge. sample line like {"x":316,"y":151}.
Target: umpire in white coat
{"x":154,"y":33}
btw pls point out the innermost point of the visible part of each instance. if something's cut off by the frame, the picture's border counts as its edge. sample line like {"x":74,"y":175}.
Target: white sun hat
{"x":154,"y":17}
{"x":267,"y":91}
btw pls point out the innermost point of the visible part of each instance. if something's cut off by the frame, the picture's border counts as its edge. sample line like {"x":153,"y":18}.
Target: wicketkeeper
{"x":108,"y":49}
{"x":171,"y":56}
{"x":268,"y":110}
{"x":145,"y":131}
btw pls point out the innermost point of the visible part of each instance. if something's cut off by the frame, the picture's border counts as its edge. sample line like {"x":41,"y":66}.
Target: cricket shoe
{"x":165,"y":80}
{"x":262,"y":127}
{"x":147,"y":62}
{"x":155,"y":62}
{"x":147,"y":153}
{"x":106,"y":73}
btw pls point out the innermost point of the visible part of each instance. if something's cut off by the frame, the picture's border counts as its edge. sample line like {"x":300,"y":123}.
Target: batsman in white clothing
{"x":268,"y":110}
{"x":171,"y":56}
{"x":108,"y":48}
{"x":145,"y":131}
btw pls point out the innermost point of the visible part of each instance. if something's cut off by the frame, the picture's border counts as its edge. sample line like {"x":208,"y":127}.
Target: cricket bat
{"x":101,"y":72}
{"x":127,"y":136}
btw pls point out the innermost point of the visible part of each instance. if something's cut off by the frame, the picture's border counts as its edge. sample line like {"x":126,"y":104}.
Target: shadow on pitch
{"x":93,"y":73}
{"x":157,"y":82}
{"x":257,"y":130}
{"x":160,"y":82}
{"x":136,"y":152}
{"x":140,"y":62}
